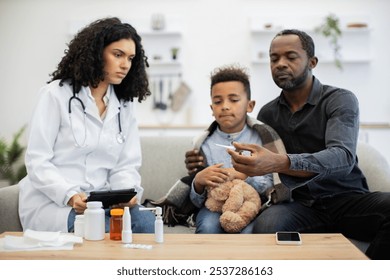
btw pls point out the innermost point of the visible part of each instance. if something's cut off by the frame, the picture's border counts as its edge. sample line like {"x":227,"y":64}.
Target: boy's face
{"x":230,"y":104}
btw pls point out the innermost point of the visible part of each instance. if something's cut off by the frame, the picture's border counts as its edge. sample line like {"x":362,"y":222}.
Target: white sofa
{"x":163,"y":165}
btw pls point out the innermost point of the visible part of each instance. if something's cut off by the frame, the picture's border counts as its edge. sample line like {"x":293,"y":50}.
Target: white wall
{"x":33,"y":37}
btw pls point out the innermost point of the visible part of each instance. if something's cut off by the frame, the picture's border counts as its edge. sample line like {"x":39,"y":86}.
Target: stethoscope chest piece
{"x":120,"y":138}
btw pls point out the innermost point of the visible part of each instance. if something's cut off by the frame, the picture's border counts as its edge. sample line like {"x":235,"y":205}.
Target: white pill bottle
{"x":79,"y":226}
{"x":94,"y":221}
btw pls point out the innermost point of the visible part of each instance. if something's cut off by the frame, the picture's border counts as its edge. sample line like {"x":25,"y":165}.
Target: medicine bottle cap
{"x":116,"y":212}
{"x":94,"y":204}
{"x":79,"y":217}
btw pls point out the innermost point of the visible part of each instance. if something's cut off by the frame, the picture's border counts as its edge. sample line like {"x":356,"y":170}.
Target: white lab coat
{"x":57,"y":168}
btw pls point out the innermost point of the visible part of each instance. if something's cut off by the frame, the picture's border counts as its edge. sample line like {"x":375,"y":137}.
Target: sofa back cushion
{"x":162,"y":163}
{"x":374,"y":166}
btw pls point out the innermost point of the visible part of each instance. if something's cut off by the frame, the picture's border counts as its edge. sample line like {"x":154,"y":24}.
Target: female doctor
{"x":83,"y":134}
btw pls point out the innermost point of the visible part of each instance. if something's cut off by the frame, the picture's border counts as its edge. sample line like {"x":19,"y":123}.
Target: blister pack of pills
{"x":138,"y":246}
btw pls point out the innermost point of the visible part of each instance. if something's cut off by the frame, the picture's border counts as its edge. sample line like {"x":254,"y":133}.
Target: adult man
{"x":319,"y":126}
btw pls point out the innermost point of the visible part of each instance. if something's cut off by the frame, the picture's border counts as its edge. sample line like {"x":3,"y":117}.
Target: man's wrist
{"x":284,"y":164}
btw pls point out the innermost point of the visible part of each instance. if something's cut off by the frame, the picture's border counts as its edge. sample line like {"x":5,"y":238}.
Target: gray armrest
{"x":9,"y":203}
{"x":375,"y":167}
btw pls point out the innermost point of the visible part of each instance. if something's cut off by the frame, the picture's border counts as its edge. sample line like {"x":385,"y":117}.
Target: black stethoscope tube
{"x":120,"y":138}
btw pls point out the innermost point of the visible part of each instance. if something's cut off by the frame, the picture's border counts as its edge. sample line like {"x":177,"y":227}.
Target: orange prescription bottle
{"x":116,"y":224}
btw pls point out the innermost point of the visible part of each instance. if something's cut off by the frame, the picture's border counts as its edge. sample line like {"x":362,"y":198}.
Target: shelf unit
{"x":165,"y":75}
{"x":355,"y":45}
{"x":158,"y":47}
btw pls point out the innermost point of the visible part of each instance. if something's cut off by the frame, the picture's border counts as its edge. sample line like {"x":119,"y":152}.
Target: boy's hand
{"x":211,"y":176}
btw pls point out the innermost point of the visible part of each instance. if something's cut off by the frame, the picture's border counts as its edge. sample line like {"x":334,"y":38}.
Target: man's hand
{"x":211,"y":176}
{"x":261,"y":161}
{"x":234,"y":174}
{"x":78,"y":202}
{"x":193,"y":161}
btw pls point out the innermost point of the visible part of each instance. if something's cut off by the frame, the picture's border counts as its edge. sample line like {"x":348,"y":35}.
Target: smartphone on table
{"x":288,"y":238}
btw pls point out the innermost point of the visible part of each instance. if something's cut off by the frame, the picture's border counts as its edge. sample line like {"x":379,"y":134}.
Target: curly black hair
{"x":306,"y":41}
{"x":83,"y":62}
{"x":231,"y":73}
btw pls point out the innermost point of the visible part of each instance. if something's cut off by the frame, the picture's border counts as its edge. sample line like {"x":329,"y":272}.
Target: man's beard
{"x":293,"y":83}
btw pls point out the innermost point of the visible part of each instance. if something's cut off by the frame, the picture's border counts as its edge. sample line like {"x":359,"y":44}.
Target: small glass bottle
{"x":79,"y":226}
{"x":116,"y":224}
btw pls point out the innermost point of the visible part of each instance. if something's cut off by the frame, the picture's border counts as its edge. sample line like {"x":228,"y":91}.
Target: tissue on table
{"x":39,"y":240}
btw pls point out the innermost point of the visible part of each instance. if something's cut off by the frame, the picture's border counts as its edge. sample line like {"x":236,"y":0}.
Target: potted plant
{"x":174,"y":52}
{"x":11,"y":169}
{"x":330,"y":28}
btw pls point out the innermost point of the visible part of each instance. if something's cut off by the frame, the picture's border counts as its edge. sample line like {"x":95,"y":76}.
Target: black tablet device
{"x":112,"y":197}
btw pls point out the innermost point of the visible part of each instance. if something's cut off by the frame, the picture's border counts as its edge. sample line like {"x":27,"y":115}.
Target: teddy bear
{"x":238,"y":202}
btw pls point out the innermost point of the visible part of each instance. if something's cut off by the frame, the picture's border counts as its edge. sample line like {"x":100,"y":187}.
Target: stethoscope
{"x":120,"y":138}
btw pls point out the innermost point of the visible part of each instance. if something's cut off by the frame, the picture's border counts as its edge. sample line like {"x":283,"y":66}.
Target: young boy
{"x":230,"y":103}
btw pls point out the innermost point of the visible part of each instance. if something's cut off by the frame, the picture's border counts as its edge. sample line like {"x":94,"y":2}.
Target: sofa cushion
{"x":9,"y":204}
{"x":162,"y":163}
{"x":374,"y":166}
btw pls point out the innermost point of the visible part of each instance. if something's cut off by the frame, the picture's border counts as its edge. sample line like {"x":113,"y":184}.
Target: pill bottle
{"x":94,"y":221}
{"x":79,"y":226}
{"x":116,"y":224}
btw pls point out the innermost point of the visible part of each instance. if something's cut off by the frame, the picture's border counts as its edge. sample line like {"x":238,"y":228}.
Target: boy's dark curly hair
{"x":83,"y":61}
{"x":231,"y":73}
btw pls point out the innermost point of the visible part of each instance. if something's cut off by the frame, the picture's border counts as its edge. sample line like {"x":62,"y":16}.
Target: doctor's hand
{"x":261,"y":161}
{"x":78,"y":202}
{"x":129,"y":204}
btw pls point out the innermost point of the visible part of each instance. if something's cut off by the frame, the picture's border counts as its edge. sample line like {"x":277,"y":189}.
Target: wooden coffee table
{"x":204,"y":247}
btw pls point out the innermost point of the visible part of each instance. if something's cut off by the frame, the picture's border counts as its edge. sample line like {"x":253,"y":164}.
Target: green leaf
{"x":330,"y":29}
{"x":11,"y":168}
